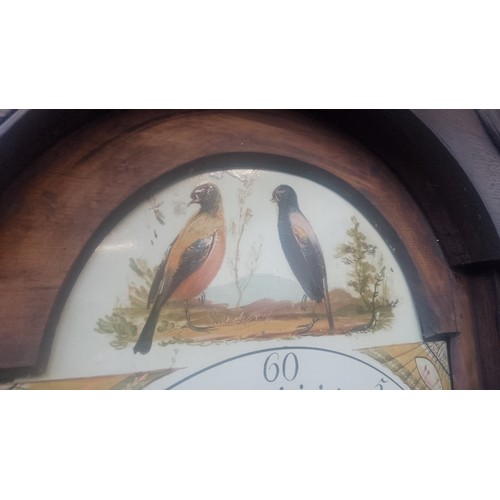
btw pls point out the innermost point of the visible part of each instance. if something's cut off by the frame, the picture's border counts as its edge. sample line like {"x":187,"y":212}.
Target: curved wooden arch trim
{"x":60,"y":203}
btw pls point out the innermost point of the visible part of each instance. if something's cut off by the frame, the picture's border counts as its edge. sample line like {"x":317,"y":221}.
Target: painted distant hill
{"x":261,"y":286}
{"x":278,"y":290}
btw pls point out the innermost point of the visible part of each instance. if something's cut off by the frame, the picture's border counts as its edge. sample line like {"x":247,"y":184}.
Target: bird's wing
{"x":190,"y":261}
{"x":159,"y":277}
{"x":301,"y":238}
{"x":308,"y":264}
{"x":306,"y":239}
{"x":194,"y":257}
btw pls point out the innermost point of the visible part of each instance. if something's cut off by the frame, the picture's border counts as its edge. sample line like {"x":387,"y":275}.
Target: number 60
{"x":272,"y":368}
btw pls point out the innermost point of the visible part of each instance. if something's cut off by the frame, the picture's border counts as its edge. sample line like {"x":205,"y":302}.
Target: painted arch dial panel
{"x":257,"y":324}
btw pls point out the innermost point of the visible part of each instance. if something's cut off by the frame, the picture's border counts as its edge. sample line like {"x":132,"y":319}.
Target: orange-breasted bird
{"x":190,"y":263}
{"x":302,"y":251}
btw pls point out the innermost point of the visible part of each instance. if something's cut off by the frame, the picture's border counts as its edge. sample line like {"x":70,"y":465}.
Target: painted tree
{"x":367,"y":277}
{"x":238,"y":228}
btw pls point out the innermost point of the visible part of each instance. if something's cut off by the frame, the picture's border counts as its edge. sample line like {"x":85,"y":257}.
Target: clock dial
{"x":287,"y":368}
{"x":243,"y":278}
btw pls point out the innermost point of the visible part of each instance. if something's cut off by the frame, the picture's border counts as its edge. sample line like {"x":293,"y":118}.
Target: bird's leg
{"x":305,"y":328}
{"x":303,"y":304}
{"x":201,"y":298}
{"x":188,"y":318}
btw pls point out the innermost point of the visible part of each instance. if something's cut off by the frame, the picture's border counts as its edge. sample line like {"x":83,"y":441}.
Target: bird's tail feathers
{"x":145,"y":340}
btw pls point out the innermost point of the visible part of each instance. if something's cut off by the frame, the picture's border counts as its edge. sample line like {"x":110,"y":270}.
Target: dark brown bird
{"x":190,"y":263}
{"x":302,"y":251}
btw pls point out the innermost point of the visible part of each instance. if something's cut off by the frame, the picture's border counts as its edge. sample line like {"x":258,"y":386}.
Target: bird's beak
{"x":194,"y":200}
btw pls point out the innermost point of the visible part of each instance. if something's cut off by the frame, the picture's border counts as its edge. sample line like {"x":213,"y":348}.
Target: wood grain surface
{"x":450,"y":167}
{"x":57,"y":210}
{"x":463,"y":134}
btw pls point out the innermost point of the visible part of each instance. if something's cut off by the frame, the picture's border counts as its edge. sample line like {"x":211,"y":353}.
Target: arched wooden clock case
{"x":68,"y":177}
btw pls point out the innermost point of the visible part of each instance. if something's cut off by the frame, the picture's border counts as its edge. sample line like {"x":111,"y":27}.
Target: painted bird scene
{"x":251,"y":255}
